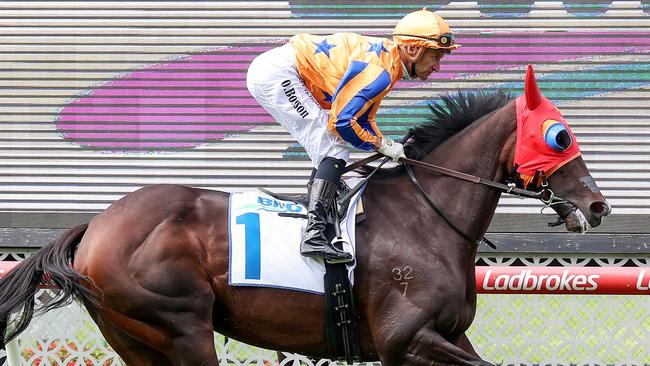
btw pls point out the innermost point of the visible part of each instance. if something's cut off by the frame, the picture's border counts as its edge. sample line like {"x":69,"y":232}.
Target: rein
{"x":546,"y":195}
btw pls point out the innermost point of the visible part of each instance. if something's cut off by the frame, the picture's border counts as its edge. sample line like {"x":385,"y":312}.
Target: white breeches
{"x":273,"y":80}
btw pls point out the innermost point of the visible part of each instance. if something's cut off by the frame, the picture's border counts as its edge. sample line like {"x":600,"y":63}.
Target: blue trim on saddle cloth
{"x":258,"y":285}
{"x":309,"y":271}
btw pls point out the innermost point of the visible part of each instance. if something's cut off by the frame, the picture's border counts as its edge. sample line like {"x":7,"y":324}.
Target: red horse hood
{"x":536,"y":118}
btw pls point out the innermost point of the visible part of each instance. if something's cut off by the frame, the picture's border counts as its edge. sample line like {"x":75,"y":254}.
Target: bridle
{"x":545,"y":195}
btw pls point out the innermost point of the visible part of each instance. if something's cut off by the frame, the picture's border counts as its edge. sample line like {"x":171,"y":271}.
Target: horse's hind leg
{"x":194,"y":347}
{"x":191,"y":343}
{"x":132,"y":352}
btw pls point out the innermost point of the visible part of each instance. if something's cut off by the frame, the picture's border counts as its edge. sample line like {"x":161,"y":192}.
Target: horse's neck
{"x":480,"y":150}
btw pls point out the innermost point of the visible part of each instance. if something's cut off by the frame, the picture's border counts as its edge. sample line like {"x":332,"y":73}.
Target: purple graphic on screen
{"x":202,"y":98}
{"x":178,"y":104}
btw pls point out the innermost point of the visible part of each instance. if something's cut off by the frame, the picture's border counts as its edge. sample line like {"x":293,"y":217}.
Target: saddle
{"x":302,"y":199}
{"x":341,"y":318}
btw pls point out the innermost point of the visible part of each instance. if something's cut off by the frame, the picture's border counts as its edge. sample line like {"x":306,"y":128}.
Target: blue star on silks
{"x":328,"y":98}
{"x":377,"y":48}
{"x":324,"y":47}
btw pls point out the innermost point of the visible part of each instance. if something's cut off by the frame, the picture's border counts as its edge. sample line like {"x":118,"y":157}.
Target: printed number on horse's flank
{"x":403,"y":274}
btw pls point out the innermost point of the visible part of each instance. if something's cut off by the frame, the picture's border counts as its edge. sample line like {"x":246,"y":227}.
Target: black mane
{"x":451,"y":114}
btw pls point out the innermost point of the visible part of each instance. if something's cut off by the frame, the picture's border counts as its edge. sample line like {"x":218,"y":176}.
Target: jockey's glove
{"x":392,"y":149}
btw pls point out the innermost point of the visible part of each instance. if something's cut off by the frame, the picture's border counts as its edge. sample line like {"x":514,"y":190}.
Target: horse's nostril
{"x":599,"y":209}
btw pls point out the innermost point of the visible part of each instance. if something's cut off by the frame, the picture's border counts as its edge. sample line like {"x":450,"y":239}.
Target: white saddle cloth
{"x":265,"y":247}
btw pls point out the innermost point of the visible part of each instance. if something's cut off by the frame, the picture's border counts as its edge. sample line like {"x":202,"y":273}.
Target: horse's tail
{"x":52,"y":265}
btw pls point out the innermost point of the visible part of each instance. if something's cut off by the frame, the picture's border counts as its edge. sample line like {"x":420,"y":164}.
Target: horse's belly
{"x":273,"y":318}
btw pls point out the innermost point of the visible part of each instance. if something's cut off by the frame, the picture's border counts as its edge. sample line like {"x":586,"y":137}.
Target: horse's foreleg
{"x":464,"y":343}
{"x":427,"y":347}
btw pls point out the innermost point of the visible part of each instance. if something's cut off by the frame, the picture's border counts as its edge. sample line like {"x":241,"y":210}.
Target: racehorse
{"x":152,"y":269}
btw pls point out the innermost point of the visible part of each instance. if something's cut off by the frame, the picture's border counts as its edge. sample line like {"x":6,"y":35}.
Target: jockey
{"x":325,"y":90}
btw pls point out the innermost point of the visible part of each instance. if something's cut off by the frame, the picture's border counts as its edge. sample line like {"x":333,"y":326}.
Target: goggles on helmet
{"x":444,"y":40}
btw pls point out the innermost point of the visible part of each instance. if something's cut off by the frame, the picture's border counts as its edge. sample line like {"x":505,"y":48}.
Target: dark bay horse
{"x":152,"y":269}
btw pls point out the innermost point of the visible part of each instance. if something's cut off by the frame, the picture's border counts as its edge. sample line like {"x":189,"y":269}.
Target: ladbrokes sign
{"x":563,"y":280}
{"x":528,"y":281}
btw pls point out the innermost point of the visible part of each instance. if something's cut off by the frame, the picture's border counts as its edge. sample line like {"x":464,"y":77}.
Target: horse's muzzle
{"x":600,"y":209}
{"x":576,"y":222}
{"x":597,"y":210}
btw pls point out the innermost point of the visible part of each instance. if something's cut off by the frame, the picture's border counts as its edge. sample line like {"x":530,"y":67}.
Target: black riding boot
{"x":321,"y":191}
{"x":315,"y":243}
